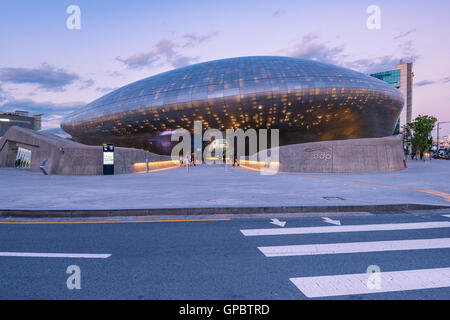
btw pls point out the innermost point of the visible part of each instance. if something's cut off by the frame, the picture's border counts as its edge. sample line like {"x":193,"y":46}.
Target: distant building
{"x":37,"y":121}
{"x":444,"y":142}
{"x":402,"y":79}
{"x":20,"y":119}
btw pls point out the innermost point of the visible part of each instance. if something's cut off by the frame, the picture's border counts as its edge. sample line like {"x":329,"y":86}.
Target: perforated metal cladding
{"x":306,"y":100}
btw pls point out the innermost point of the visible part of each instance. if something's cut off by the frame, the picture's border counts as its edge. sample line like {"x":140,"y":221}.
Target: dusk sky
{"x":47,"y":68}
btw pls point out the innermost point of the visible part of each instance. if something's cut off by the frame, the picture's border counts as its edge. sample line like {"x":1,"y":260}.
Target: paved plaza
{"x":219,"y":186}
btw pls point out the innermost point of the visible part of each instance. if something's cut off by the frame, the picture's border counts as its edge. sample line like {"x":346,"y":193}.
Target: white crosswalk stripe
{"x":348,"y":284}
{"x":351,"y":284}
{"x":354,"y":247}
{"x":352,"y":228}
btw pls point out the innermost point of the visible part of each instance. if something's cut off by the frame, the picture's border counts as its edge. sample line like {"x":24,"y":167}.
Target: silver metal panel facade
{"x":307,"y":100}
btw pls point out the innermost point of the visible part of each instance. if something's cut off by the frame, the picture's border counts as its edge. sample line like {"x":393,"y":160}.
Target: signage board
{"x":108,"y":159}
{"x":23,"y":158}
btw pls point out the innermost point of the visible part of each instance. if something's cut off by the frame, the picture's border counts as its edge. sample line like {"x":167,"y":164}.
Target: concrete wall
{"x":340,"y":156}
{"x":71,"y":158}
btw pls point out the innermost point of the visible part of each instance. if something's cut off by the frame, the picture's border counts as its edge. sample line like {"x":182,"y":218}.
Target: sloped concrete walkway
{"x":217,"y":187}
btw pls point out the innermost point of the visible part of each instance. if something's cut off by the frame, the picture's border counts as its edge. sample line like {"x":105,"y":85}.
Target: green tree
{"x":407,"y":135}
{"x":418,"y":133}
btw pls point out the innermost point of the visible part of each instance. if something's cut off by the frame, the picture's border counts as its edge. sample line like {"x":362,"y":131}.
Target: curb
{"x":211,"y":211}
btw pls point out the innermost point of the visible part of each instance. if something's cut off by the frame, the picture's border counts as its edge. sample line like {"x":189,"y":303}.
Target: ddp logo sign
{"x":324,"y":154}
{"x":321,"y":155}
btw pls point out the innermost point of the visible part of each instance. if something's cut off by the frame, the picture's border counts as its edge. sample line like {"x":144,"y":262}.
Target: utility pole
{"x":438,"y":145}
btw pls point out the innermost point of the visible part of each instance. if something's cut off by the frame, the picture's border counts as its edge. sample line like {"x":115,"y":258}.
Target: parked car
{"x":447,"y":155}
{"x":444,"y":153}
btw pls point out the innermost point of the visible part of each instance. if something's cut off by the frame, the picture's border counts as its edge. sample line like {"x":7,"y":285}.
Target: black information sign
{"x":108,"y":159}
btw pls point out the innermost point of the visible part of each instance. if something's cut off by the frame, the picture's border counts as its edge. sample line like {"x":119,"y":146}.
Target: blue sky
{"x":45,"y":67}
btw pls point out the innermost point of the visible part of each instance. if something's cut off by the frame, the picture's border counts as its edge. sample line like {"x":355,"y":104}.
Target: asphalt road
{"x":215,"y":260}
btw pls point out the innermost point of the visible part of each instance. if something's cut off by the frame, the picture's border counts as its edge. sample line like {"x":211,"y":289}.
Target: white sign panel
{"x":108,"y":158}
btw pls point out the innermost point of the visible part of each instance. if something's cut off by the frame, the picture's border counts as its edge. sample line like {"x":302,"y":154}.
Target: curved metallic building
{"x":306,"y":100}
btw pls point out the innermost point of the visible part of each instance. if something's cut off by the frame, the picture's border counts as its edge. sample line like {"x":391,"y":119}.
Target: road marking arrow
{"x":278,"y":222}
{"x":328,"y":220}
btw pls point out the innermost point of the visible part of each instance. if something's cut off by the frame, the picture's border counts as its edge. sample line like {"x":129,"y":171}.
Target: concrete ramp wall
{"x":340,"y":156}
{"x":71,"y":158}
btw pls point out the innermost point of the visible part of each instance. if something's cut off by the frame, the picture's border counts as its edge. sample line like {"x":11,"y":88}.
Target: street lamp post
{"x":438,"y":145}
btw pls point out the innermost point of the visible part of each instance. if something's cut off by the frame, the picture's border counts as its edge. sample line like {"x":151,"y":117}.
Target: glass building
{"x":402,"y":79}
{"x":392,"y":77}
{"x":306,"y":100}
